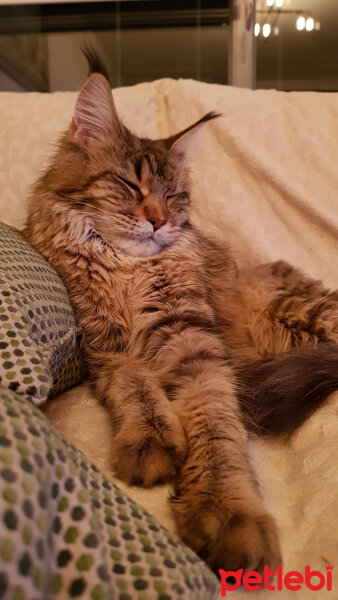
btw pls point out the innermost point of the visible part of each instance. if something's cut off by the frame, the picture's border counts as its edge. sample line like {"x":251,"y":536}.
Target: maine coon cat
{"x":186,"y":352}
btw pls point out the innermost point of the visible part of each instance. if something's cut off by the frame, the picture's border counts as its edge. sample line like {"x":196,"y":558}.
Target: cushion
{"x":66,"y":531}
{"x":39,"y":340}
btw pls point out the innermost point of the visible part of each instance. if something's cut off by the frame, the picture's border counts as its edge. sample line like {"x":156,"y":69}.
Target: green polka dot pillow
{"x":39,"y":341}
{"x":67,"y":532}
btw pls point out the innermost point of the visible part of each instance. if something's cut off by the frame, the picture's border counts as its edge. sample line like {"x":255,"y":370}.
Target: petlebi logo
{"x":276,"y":580}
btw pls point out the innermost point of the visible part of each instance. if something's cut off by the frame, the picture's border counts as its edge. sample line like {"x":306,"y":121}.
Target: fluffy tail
{"x":277,"y":394}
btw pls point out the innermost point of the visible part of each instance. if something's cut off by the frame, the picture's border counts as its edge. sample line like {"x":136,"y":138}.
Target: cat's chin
{"x":141,"y":247}
{"x":138,"y":248}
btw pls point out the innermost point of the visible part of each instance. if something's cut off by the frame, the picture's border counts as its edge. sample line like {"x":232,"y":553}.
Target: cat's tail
{"x":277,"y":394}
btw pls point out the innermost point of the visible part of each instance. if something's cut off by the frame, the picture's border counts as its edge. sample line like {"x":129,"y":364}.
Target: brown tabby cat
{"x":165,"y":314}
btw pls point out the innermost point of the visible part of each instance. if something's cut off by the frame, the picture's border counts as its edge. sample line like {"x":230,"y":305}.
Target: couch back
{"x":264,"y":177}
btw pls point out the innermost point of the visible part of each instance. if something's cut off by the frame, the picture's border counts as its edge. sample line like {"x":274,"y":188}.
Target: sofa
{"x":263,"y":178}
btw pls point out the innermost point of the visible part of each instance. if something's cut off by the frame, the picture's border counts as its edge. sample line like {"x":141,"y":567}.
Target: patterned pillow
{"x":66,"y":531}
{"x":39,"y":341}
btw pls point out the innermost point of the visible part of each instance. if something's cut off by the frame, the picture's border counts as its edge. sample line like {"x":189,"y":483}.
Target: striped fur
{"x":165,"y":315}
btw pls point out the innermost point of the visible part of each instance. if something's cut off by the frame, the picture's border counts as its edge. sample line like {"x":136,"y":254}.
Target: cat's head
{"x":131,"y":192}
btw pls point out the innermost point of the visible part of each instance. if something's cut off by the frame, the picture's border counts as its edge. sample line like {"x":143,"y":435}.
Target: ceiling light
{"x":300,"y":24}
{"x":276,"y":30}
{"x":317,"y":25}
{"x":257,"y":29}
{"x":266,"y":30}
{"x":309,"y":24}
{"x":279,"y":3}
{"x":269,"y":2}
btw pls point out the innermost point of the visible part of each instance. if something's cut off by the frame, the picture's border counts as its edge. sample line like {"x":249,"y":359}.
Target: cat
{"x":186,"y":352}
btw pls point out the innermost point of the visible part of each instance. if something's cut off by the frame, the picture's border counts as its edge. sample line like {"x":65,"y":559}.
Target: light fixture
{"x":269,"y":2}
{"x":276,"y":30}
{"x":310,"y":24}
{"x":257,"y":29}
{"x":279,"y":3}
{"x":300,"y":24}
{"x":266,"y":30}
{"x":317,"y":25}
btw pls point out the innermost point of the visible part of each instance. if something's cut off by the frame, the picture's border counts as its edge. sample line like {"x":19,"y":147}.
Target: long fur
{"x":95,"y":63}
{"x":279,"y":392}
{"x":166,"y":315}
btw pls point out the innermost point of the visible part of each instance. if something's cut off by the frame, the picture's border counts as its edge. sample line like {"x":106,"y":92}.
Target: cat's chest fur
{"x":116,"y":297}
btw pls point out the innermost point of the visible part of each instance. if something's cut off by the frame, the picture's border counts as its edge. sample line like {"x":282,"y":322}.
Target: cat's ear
{"x":95,"y":115}
{"x":180,"y":140}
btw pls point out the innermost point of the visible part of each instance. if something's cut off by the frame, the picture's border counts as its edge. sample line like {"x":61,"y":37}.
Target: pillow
{"x":66,"y":531}
{"x":39,"y":340}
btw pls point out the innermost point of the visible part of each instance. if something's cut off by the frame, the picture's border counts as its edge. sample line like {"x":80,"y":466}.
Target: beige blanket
{"x":265,"y":178}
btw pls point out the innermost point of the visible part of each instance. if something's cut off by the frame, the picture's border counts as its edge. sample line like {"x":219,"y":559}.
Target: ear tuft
{"x":95,"y":62}
{"x":181,"y":137}
{"x":95,"y":115}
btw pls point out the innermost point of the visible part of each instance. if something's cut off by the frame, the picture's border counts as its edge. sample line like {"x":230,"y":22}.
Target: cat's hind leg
{"x":286,"y":355}
{"x":279,"y":308}
{"x":149,"y":443}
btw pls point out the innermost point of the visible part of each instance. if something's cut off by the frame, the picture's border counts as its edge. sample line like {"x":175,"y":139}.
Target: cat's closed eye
{"x":129,"y":184}
{"x":177,"y":195}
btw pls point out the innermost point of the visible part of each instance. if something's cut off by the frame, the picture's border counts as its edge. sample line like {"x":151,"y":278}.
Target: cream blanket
{"x":264,"y":177}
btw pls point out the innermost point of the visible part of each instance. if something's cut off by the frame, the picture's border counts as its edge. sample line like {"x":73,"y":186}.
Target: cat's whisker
{"x":90,"y":205}
{"x":127,"y":219}
{"x":105,"y":217}
{"x":112,"y":219}
{"x":94,"y":215}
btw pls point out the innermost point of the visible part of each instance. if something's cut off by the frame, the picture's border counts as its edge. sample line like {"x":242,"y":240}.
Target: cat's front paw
{"x":147,"y":454}
{"x":245,"y":539}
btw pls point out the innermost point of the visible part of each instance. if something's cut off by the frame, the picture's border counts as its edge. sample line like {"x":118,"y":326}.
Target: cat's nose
{"x":157,"y":223}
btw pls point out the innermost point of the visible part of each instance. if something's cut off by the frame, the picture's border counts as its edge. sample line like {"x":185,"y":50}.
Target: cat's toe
{"x":245,"y":540}
{"x":147,"y":456}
